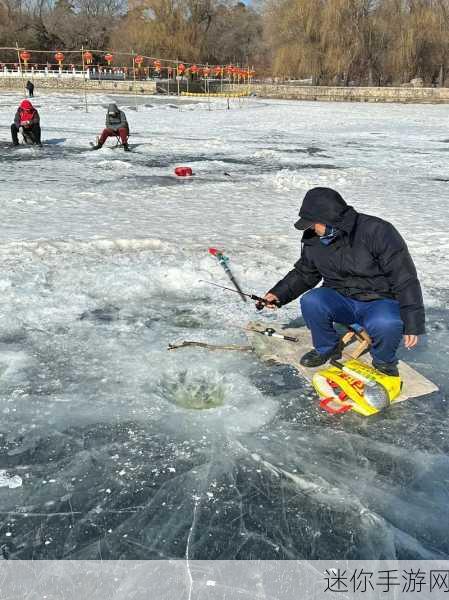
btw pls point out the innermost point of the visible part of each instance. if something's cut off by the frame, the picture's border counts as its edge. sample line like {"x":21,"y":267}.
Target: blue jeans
{"x":322,"y":307}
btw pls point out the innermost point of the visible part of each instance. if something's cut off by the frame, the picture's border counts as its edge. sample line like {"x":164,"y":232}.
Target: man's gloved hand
{"x":271,"y":301}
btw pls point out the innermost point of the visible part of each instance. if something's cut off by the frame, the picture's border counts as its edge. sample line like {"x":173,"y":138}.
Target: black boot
{"x":14,"y":134}
{"x":97,"y":146}
{"x":390,"y":369}
{"x":126,"y":147}
{"x":315,"y":359}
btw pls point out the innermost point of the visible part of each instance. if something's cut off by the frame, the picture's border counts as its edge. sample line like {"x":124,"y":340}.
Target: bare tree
{"x":331,"y":41}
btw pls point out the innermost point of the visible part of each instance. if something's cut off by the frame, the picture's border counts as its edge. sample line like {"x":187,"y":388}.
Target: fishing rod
{"x":258,"y":299}
{"x":270,"y":332}
{"x":224,"y":262}
{"x":260,"y":303}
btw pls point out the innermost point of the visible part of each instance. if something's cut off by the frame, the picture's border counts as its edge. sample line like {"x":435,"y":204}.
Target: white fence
{"x":63,"y":73}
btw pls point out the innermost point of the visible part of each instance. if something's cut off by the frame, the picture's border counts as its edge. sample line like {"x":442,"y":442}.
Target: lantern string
{"x":167,"y":61}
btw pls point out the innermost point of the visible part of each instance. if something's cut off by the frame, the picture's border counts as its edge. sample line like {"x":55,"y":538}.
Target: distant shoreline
{"x":404,"y":95}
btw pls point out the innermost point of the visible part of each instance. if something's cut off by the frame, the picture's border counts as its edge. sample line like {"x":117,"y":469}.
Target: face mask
{"x":329,"y":235}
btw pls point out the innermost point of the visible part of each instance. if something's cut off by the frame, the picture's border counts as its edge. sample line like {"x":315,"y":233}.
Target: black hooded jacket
{"x":368,"y":260}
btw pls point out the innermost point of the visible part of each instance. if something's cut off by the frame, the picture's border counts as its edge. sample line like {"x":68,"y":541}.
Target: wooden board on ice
{"x":288,"y":353}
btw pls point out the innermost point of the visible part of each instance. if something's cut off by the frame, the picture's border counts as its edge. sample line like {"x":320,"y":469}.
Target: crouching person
{"x":368,"y":278}
{"x":28,"y":122}
{"x":116,"y":125}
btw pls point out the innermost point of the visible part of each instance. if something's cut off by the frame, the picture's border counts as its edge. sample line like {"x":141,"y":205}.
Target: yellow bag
{"x":355,"y":386}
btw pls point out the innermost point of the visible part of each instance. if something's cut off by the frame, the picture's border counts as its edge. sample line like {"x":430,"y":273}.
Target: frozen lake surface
{"x":101,"y":256}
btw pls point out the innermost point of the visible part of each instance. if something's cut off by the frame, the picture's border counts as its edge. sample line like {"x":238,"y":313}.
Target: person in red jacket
{"x":27,"y":119}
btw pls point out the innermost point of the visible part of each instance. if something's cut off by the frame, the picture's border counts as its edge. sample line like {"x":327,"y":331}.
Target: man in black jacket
{"x":368,"y":278}
{"x":30,"y":87}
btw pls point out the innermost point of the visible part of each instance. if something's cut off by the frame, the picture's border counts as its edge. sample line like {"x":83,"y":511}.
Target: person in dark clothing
{"x":116,"y":124}
{"x":26,"y":119}
{"x":30,"y":87}
{"x":368,"y":279}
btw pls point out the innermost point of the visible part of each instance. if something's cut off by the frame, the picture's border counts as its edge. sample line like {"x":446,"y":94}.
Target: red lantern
{"x":181,"y":69}
{"x":109,"y":58}
{"x":217,"y":71}
{"x":194,"y":69}
{"x":139,"y":61}
{"x":59,"y":56}
{"x":25,"y":56}
{"x":157,"y":65}
{"x":88,"y":57}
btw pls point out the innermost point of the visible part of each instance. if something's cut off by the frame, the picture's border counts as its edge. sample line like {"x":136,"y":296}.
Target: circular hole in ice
{"x":196,"y":391}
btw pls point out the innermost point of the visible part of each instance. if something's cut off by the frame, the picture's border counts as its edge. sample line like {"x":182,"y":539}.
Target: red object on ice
{"x":183,"y":171}
{"x":213,"y":251}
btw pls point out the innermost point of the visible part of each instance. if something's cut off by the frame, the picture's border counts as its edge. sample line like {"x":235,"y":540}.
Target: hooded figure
{"x":367,"y":275}
{"x":26,"y":119}
{"x":116,"y":124}
{"x":116,"y":118}
{"x":30,"y":87}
